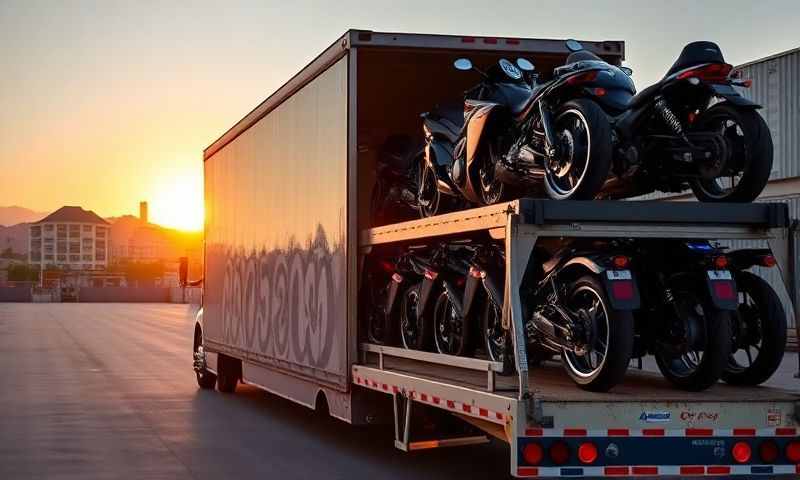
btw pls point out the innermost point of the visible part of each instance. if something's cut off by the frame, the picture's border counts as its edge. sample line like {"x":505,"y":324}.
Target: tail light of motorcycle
{"x":721,"y":262}
{"x":599,"y":92}
{"x":387,"y":266}
{"x":582,"y":78}
{"x":621,"y":261}
{"x":767,"y":261}
{"x":712,"y":73}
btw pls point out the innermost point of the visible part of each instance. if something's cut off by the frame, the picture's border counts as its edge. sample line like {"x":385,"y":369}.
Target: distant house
{"x":70,"y":238}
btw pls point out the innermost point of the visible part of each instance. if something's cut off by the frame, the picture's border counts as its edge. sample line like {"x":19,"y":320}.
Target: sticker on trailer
{"x":619,"y":274}
{"x":719,"y":275}
{"x":655,"y":417}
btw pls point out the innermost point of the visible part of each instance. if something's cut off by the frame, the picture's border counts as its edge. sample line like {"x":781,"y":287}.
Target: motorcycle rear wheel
{"x":414,"y":329}
{"x":451,"y":333}
{"x":430,"y":199}
{"x":697,"y":370}
{"x":761,"y":327}
{"x":584,"y":135}
{"x":608,"y":353}
{"x":747,"y":135}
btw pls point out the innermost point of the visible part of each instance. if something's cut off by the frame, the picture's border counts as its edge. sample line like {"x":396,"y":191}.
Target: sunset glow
{"x":177,"y":202}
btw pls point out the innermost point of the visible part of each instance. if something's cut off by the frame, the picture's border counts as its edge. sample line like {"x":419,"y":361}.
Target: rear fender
{"x":722,"y":291}
{"x":620,"y":285}
{"x":730,"y":95}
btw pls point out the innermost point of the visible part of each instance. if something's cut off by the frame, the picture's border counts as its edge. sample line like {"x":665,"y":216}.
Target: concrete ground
{"x":101,"y":391}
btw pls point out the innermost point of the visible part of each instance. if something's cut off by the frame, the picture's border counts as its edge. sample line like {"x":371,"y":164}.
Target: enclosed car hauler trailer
{"x":287,"y":192}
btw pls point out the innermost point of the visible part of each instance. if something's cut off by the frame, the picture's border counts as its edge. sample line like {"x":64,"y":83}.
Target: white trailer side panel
{"x":276,"y":237}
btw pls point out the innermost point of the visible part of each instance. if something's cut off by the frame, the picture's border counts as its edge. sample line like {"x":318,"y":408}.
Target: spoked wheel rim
{"x":429,"y":195}
{"x":736,"y":153}
{"x":409,"y":323}
{"x":686,"y":364}
{"x":491,"y":186}
{"x":449,"y":327}
{"x":495,"y":334}
{"x":591,"y":307}
{"x":749,"y":335}
{"x":565,"y":173}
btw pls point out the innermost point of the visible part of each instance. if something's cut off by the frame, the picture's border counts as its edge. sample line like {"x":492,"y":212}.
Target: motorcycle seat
{"x":696,"y":53}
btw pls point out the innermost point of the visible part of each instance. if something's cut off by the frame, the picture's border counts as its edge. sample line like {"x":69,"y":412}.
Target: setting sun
{"x":177,"y":202}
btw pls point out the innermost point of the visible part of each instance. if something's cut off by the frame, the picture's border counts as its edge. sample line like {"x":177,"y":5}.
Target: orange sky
{"x":105,"y":104}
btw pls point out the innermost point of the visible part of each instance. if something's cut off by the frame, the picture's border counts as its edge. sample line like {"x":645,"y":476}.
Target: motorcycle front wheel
{"x":583,"y":158}
{"x":700,"y":366}
{"x":414,"y":329}
{"x":760,"y":328}
{"x":451,"y":331}
{"x":747,"y":161}
{"x":430,"y":199}
{"x":604,"y":360}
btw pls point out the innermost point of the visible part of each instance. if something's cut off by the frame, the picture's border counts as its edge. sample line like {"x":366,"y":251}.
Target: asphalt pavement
{"x":106,"y":391}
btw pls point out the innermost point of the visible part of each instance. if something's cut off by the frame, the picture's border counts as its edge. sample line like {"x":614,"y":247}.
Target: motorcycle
{"x":688,"y":305}
{"x":514,"y":133}
{"x":759,"y":323}
{"x":692,"y":129}
{"x":394,"y":196}
{"x":579,"y":304}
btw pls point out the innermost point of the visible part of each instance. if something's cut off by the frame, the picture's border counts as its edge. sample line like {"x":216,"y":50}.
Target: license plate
{"x":618,"y":274}
{"x":719,"y":275}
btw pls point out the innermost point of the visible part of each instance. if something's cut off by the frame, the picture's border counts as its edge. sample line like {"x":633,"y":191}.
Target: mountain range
{"x":15,"y":215}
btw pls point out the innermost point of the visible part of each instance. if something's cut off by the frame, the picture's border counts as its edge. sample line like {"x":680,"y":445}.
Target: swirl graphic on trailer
{"x":288,"y":304}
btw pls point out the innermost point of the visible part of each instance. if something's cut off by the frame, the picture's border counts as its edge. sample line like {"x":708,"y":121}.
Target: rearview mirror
{"x":573,"y":45}
{"x":463,"y":64}
{"x":525,"y":65}
{"x":627,"y":71}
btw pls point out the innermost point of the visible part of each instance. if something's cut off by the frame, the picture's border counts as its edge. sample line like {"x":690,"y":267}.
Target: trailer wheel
{"x":229,"y":371}
{"x":760,"y":326}
{"x":205,"y":379}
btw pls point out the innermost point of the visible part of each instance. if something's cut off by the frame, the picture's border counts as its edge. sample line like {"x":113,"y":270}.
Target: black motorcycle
{"x":759,"y":327}
{"x":692,"y":129}
{"x":579,"y":303}
{"x":689,"y":299}
{"x":515,"y":133}
{"x":394,"y":196}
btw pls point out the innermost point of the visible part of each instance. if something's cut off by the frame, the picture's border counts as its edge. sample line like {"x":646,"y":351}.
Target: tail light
{"x":621,"y":261}
{"x":582,"y":78}
{"x":533,"y":454}
{"x":559,"y":452}
{"x":713,"y":73}
{"x":387,"y":266}
{"x":600,"y":92}
{"x":793,"y":452}
{"x":587,"y":452}
{"x":724,"y":290}
{"x":741,"y":452}
{"x":768,"y":451}
{"x":767,"y":261}
{"x":721,"y":262}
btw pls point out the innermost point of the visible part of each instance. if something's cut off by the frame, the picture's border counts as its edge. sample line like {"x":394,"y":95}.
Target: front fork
{"x":550,"y":143}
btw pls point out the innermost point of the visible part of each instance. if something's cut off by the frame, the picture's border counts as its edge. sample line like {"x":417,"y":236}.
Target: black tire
{"x":430,"y":200}
{"x":706,"y":371}
{"x":229,"y":371}
{"x":761,"y":322}
{"x":752,"y":148}
{"x":379,"y":327}
{"x":497,"y":340}
{"x":452,"y":334}
{"x":576,"y":118}
{"x":415,"y":331}
{"x":205,"y":378}
{"x":613,"y":326}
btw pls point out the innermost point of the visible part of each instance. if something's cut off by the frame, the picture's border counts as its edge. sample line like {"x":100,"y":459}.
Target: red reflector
{"x":528,"y":472}
{"x":490,"y":40}
{"x":744,"y":432}
{"x":644,"y":470}
{"x":600,"y":92}
{"x":719,"y":470}
{"x":512,"y":41}
{"x":768,"y":451}
{"x":741,"y":452}
{"x":693,"y":470}
{"x":724,"y":290}
{"x":699,"y":432}
{"x":468,"y":39}
{"x":653,"y":432}
{"x":786,"y":431}
{"x":793,"y":452}
{"x":587,"y":452}
{"x":768,"y":261}
{"x":615,"y":471}
{"x":691,"y":117}
{"x":721,"y":262}
{"x":620,"y":261}
{"x":582,"y":78}
{"x":559,"y":453}
{"x":622,"y":289}
{"x":534,"y":432}
{"x":533,"y":453}
{"x":574,"y":432}
{"x":618,"y":432}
